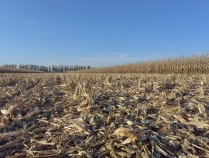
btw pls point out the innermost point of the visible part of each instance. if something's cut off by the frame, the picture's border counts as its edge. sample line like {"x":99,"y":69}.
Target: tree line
{"x":53,"y":68}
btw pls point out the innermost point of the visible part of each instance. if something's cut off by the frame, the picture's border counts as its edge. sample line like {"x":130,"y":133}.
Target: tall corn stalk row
{"x":192,"y":65}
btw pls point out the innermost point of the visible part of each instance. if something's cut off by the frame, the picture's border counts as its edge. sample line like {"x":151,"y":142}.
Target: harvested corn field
{"x":104,"y":115}
{"x":15,"y":70}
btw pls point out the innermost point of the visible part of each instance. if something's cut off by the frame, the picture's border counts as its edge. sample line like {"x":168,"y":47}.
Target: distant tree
{"x":10,"y":66}
{"x":53,"y":68}
{"x":49,"y":69}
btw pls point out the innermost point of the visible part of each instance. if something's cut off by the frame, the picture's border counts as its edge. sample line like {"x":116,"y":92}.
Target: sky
{"x":101,"y":32}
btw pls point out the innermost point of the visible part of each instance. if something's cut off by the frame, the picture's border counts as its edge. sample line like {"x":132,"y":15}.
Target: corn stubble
{"x":104,"y":115}
{"x":15,"y":70}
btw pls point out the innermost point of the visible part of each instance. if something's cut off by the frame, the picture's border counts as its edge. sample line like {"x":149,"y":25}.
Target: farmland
{"x":13,"y":70}
{"x":186,"y":65}
{"x":104,"y":115}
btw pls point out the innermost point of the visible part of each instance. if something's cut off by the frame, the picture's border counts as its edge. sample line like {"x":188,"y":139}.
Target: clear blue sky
{"x":101,"y":32}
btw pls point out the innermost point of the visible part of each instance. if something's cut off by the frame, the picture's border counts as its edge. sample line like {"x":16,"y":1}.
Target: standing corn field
{"x":192,"y":65}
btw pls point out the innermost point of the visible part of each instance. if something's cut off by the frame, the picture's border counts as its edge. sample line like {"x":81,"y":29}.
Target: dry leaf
{"x":5,"y":112}
{"x":127,"y":132}
{"x":201,"y":108}
{"x":79,"y":124}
